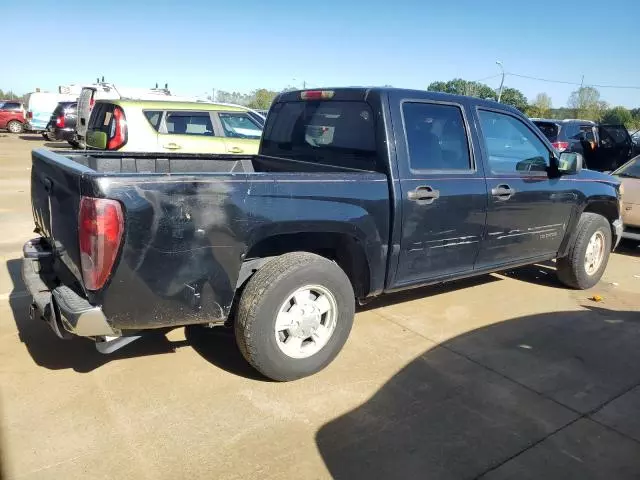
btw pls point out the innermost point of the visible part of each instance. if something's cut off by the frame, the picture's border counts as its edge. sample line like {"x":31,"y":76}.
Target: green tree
{"x":458,"y":86}
{"x":540,"y":107}
{"x":586,"y":103}
{"x":514,"y":97}
{"x":618,"y":115}
{"x":262,"y":99}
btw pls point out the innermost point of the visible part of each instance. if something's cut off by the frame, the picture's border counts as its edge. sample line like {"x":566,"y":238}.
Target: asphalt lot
{"x":503,"y":376}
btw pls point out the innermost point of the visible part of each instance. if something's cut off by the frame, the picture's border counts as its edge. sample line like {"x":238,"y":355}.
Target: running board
{"x":106,"y":345}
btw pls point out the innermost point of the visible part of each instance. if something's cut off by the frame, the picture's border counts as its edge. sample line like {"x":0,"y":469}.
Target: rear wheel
{"x":294,"y":316}
{"x":587,"y":258}
{"x":14,"y":126}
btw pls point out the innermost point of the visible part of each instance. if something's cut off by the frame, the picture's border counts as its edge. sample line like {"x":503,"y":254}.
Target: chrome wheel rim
{"x":595,"y":253}
{"x":14,"y":127}
{"x":305,"y":321}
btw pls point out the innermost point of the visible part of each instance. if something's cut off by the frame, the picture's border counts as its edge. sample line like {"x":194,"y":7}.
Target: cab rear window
{"x":339,"y":133}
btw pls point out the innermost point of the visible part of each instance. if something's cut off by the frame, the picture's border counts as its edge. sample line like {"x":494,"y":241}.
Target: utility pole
{"x":213,"y":94}
{"x":499,"y":63}
{"x":304,"y":84}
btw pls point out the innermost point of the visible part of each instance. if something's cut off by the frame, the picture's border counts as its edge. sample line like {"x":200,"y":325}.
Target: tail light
{"x":91,"y":102}
{"x":101,"y":225}
{"x":29,"y":114}
{"x":118,"y":131}
{"x":60,"y":121}
{"x":560,"y":146}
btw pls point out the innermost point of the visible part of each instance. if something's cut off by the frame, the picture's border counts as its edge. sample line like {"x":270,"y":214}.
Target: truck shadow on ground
{"x":79,"y":354}
{"x":629,"y":247}
{"x":522,"y":389}
{"x":32,"y":138}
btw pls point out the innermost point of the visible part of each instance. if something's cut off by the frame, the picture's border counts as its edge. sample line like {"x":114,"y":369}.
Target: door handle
{"x":171,"y":146}
{"x":503,"y":192}
{"x":236,"y":150}
{"x":423,"y":195}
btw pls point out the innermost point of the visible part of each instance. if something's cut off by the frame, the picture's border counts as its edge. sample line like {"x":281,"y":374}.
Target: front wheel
{"x":294,"y":316}
{"x":587,"y":258}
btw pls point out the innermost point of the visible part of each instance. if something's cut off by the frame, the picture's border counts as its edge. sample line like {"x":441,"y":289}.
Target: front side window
{"x":189,"y":123}
{"x":511,"y":146}
{"x":436,"y":137}
{"x":239,"y":125}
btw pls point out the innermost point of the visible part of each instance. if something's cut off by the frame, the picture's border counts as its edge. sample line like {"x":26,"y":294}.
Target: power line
{"x":628,"y":87}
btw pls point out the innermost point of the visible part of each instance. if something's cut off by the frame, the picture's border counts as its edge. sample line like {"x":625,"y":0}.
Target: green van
{"x":166,"y":126}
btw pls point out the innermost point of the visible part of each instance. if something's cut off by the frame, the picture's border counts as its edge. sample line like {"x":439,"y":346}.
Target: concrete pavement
{"x":503,"y":376}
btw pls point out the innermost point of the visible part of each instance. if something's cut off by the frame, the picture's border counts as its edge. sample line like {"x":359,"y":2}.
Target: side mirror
{"x":96,"y":139}
{"x":570,"y":163}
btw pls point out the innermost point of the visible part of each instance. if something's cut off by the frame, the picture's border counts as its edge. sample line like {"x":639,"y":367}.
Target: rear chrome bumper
{"x":61,"y":307}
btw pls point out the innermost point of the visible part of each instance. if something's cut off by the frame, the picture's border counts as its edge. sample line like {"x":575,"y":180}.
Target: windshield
{"x":630,"y":169}
{"x":337,"y":133}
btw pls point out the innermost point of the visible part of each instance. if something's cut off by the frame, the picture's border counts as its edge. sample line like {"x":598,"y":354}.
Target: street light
{"x":499,"y":63}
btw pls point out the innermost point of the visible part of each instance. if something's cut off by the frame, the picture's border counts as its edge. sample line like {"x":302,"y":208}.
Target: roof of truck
{"x":354,"y":93}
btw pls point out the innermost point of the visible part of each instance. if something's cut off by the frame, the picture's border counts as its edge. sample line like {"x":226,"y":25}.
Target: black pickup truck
{"x":355,"y":192}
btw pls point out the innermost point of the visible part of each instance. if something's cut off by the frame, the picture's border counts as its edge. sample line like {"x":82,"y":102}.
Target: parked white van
{"x":40,"y":107}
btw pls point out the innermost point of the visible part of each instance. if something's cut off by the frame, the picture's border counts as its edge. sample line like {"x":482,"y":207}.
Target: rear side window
{"x":10,"y":106}
{"x":339,"y":133}
{"x":239,"y":125}
{"x":154,"y":117}
{"x":101,"y":117}
{"x":549,"y":129}
{"x":436,"y":137}
{"x":189,"y":123}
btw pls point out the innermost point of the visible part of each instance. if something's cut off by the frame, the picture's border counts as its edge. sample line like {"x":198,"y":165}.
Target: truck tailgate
{"x":55,"y":200}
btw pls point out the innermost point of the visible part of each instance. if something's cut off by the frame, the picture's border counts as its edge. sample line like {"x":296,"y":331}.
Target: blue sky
{"x":198,"y":45}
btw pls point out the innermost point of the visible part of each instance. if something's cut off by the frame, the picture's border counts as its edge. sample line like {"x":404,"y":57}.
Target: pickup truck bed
{"x":355,"y":192}
{"x":192,"y":221}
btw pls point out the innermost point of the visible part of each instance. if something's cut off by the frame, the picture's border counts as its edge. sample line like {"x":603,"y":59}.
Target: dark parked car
{"x":12,"y":116}
{"x":355,"y":192}
{"x":604,"y":147}
{"x":62,"y":125}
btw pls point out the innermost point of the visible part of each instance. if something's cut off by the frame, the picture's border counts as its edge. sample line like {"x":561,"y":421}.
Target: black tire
{"x":264,"y":294}
{"x":15,"y":126}
{"x":75,"y":145}
{"x":571,"y":268}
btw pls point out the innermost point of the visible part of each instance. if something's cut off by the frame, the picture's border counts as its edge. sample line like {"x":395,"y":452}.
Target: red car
{"x":12,"y":116}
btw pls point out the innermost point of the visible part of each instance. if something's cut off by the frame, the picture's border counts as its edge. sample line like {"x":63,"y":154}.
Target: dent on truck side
{"x":187,"y":237}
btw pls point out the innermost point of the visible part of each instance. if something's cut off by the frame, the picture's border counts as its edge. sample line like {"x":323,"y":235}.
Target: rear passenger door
{"x":189,"y":132}
{"x":528,"y":208}
{"x":443,"y":190}
{"x":241,"y":132}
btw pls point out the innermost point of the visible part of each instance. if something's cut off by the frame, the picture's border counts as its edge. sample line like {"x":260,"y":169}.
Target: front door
{"x":615,"y":147}
{"x":528,"y":209}
{"x":241,"y":132}
{"x":189,"y":132}
{"x":443,"y":191}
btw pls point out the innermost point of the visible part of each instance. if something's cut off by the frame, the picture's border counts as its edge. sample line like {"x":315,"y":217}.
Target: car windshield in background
{"x":331,"y":132}
{"x":549,"y":129}
{"x":631,"y":169}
